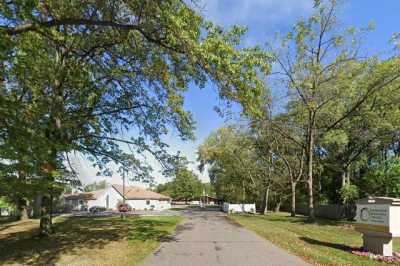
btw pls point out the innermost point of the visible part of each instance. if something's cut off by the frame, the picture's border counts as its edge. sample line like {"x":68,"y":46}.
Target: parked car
{"x":124,"y":207}
{"x":96,"y":209}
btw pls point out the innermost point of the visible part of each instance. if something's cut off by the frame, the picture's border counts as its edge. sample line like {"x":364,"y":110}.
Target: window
{"x":147,"y":202}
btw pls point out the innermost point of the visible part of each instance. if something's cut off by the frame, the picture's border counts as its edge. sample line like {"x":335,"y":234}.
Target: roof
{"x":139,"y":193}
{"x":92,"y":195}
{"x":210,"y":197}
{"x":97,"y":193}
{"x":78,"y":195}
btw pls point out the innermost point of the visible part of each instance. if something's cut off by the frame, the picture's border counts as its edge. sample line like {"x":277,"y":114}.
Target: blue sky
{"x":264,"y":18}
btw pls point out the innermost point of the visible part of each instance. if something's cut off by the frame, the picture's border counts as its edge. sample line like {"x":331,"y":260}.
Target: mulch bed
{"x":395,"y":259}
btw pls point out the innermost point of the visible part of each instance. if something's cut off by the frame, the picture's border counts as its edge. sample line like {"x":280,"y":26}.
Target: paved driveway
{"x":210,"y":238}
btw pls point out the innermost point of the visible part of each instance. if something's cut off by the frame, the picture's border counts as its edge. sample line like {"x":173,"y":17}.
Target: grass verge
{"x":87,"y":241}
{"x":322,"y":243}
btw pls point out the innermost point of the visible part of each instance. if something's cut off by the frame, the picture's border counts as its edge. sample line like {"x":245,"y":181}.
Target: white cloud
{"x":247,"y":12}
{"x":263,"y":18}
{"x":87,"y":173}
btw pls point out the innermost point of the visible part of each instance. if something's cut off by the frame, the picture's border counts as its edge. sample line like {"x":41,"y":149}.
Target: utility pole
{"x":123,"y":186}
{"x":123,"y":192}
{"x":203,"y":201}
{"x":244,"y":193}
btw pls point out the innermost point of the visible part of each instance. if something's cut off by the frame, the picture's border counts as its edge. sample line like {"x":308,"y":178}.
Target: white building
{"x":110,"y":197}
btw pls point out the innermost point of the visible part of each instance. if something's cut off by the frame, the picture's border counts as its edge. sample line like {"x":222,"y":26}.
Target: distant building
{"x":202,"y":200}
{"x":208,"y":200}
{"x":110,"y":197}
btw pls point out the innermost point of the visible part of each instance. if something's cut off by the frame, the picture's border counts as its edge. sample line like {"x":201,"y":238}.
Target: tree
{"x":185,"y":186}
{"x":322,"y":70}
{"x":80,"y":77}
{"x":292,"y":156}
{"x":240,"y":166}
{"x":208,"y":189}
{"x":231,"y":170}
{"x":95,"y":186}
{"x":165,"y":188}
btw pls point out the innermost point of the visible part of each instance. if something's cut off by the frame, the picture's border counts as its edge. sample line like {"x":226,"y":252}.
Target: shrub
{"x":349,"y":193}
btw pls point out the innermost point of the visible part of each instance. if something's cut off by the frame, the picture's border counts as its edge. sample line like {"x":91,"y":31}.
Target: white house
{"x":110,"y":197}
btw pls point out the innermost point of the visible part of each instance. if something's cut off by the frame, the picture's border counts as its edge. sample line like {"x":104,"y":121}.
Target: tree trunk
{"x":45,"y":219}
{"x":37,"y":206}
{"x":348,"y":178}
{"x":310,"y":150}
{"x":56,"y":109}
{"x":278,"y":205}
{"x":51,"y":208}
{"x":266,"y":197}
{"x":343,"y":178}
{"x":24,"y":213}
{"x":244,"y":193}
{"x":23,"y":210}
{"x":293,"y":209}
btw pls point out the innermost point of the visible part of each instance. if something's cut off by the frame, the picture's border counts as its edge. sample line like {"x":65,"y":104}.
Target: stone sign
{"x":376,"y":215}
{"x":378,"y":219}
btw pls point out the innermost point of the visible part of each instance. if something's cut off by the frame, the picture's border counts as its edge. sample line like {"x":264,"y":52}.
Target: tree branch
{"x":88,"y":22}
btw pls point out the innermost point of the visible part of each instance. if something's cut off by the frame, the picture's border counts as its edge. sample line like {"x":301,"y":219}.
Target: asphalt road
{"x":210,"y":238}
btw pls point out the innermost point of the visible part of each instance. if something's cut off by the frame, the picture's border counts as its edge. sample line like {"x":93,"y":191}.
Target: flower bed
{"x":395,"y":259}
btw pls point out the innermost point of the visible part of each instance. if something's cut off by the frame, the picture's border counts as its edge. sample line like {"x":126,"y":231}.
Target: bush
{"x":349,"y":193}
{"x":124,"y":207}
{"x":8,"y":208}
{"x":383,"y":179}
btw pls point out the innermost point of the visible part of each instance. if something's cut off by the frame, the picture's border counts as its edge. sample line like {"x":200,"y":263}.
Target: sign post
{"x":378,"y":218}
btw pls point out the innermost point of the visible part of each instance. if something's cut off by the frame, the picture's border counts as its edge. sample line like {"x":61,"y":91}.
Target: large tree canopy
{"x":82,"y":76}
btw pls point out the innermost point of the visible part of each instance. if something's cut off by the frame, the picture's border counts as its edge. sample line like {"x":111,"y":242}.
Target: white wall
{"x":142,"y":204}
{"x":232,"y":208}
{"x":4,"y":212}
{"x":395,"y":220}
{"x":115,"y":198}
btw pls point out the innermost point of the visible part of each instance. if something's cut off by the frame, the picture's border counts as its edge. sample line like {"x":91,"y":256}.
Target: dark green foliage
{"x":383,"y":179}
{"x":185,"y":186}
{"x":95,"y":186}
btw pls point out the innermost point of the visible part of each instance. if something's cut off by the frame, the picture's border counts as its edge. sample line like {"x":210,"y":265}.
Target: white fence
{"x":233,"y":208}
{"x":4,"y":212}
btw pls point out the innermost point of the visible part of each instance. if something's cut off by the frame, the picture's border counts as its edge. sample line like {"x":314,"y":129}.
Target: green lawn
{"x":86,"y":241}
{"x":323,"y":243}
